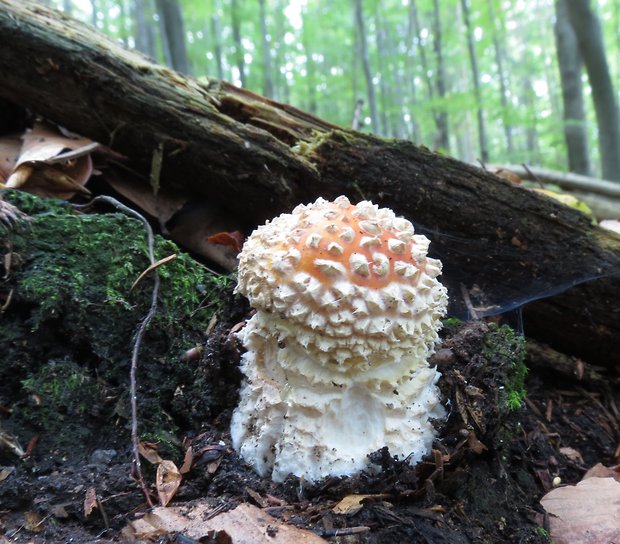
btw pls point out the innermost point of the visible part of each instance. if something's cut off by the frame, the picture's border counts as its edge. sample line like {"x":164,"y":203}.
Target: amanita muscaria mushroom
{"x":347,"y":312}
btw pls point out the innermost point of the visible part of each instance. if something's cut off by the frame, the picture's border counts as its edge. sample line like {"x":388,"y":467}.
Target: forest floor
{"x":64,"y":380}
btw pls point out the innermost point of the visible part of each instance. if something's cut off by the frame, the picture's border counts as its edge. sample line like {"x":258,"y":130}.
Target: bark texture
{"x":501,"y":245}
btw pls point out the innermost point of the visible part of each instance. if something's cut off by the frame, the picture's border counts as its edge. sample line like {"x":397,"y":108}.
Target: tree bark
{"x":501,"y":245}
{"x":569,"y":62}
{"x":590,"y":39}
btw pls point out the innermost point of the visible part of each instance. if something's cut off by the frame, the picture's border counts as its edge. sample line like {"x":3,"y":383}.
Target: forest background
{"x":503,"y":81}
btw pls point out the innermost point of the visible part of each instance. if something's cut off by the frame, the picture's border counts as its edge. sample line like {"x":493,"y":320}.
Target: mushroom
{"x":348,"y":306}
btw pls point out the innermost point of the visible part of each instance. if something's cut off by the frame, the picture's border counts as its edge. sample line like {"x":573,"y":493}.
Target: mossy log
{"x":501,"y":245}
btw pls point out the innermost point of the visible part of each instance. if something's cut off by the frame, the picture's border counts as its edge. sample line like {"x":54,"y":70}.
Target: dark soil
{"x":67,"y":327}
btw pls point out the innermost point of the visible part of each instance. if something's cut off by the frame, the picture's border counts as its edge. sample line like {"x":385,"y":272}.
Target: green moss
{"x":505,"y":348}
{"x":73,"y":316}
{"x":451,"y":321}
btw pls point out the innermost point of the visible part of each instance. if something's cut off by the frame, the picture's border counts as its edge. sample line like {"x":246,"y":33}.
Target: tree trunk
{"x":569,"y":62}
{"x":502,"y":77}
{"x":370,"y":86}
{"x":174,"y":30}
{"x":590,"y":39}
{"x":216,"y":34}
{"x":94,"y":12}
{"x":414,"y":25}
{"x":440,"y":80}
{"x":145,"y":40}
{"x":482,"y":136}
{"x":310,"y":67}
{"x":267,"y":72}
{"x":501,"y":245}
{"x":236,"y":29}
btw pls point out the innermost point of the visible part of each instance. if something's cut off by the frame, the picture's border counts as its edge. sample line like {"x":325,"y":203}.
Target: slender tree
{"x":267,"y":71}
{"x":502,"y":74}
{"x":441,"y":117}
{"x":216,"y":33}
{"x":370,"y":88}
{"x":171,"y":17}
{"x":473,"y":59}
{"x":67,"y":7}
{"x":94,"y":12}
{"x":569,"y":63}
{"x":589,"y":35}
{"x":384,"y":63}
{"x":236,"y":30}
{"x":311,"y":79}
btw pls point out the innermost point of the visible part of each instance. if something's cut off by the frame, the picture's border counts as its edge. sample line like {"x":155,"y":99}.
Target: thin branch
{"x":139,"y":335}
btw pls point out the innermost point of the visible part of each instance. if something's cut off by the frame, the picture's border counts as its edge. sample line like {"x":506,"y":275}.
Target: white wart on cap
{"x":348,"y":309}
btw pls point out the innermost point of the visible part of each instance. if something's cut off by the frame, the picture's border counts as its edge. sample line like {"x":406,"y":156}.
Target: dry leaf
{"x":167,"y":481}
{"x":188,"y":461}
{"x":45,"y":169}
{"x":59,"y":512}
{"x":5,"y":472}
{"x":90,"y":501}
{"x":9,"y":153}
{"x":162,"y":205}
{"x":33,"y":522}
{"x":601,"y":471}
{"x":572,"y":454}
{"x":148,"y":450}
{"x":508,"y":175}
{"x":195,"y":223}
{"x":244,"y":524}
{"x":232,"y":239}
{"x":585,"y":513}
{"x":352,"y":504}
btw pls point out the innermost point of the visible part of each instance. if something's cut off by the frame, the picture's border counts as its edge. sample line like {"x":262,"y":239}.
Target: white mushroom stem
{"x":304,"y":424}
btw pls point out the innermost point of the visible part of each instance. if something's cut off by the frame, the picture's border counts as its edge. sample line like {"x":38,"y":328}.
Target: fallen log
{"x":502,"y":246}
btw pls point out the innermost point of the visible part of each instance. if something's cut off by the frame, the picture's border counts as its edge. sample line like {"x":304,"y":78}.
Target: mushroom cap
{"x":352,"y":284}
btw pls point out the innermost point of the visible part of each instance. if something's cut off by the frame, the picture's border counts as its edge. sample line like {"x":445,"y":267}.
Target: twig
{"x":139,"y":335}
{"x":151,"y":268}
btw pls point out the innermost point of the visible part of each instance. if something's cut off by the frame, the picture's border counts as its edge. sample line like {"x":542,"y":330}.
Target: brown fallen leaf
{"x":167,"y":481}
{"x":5,"y":472}
{"x":601,"y":471}
{"x":49,"y":163}
{"x":9,"y":153}
{"x":188,"y":460}
{"x":585,"y":513}
{"x":90,"y":501}
{"x":244,"y":524}
{"x":33,"y":522}
{"x":148,"y":450}
{"x":162,"y":205}
{"x":352,"y":504}
{"x":572,"y":454}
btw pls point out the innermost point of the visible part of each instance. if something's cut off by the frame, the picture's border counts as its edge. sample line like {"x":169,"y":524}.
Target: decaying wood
{"x":568,"y":180}
{"x":544,"y":358}
{"x":501,"y":245}
{"x":601,"y":195}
